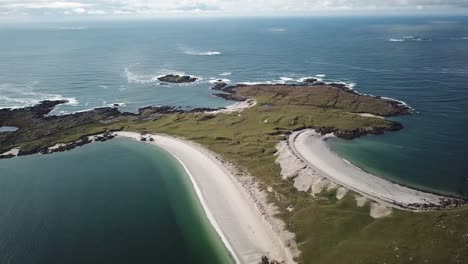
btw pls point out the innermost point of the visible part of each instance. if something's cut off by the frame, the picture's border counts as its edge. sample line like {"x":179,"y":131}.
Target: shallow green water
{"x":114,"y":202}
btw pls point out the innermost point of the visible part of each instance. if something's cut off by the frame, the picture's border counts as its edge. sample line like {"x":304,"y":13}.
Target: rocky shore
{"x":241,"y":92}
{"x":35,"y":123}
{"x":351,"y":134}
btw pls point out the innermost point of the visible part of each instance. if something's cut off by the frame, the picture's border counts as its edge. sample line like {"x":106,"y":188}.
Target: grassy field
{"x":327,"y":230}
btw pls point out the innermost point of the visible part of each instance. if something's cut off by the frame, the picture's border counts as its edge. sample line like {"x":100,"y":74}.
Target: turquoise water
{"x":420,"y":60}
{"x":113,"y":202}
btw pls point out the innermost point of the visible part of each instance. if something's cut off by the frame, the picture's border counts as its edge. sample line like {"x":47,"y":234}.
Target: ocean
{"x":118,"y":202}
{"x":422,"y":61}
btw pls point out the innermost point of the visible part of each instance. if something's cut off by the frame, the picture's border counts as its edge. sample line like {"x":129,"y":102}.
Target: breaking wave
{"x":214,"y":80}
{"x":277,"y":29}
{"x":408,"y":38}
{"x":140,"y":78}
{"x":15,"y":96}
{"x":133,"y":77}
{"x":195,"y":52}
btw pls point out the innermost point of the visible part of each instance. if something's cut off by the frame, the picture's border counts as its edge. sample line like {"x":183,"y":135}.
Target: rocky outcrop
{"x":219,"y":85}
{"x":171,"y":78}
{"x":266,"y":260}
{"x":309,"y":80}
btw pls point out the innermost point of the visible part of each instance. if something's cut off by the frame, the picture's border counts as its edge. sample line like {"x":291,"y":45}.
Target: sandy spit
{"x":310,"y":147}
{"x":233,"y":203}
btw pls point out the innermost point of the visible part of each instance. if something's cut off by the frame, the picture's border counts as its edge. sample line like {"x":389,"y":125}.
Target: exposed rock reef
{"x":171,"y":78}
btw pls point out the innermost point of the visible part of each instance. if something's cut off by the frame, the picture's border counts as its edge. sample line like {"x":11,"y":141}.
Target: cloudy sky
{"x":155,"y":8}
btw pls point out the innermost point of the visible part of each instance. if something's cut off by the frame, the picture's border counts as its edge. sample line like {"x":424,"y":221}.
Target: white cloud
{"x":79,"y":10}
{"x":41,"y":5}
{"x":97,"y":12}
{"x":222,"y":7}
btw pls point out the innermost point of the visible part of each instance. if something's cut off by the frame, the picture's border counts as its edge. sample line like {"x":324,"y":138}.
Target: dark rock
{"x":318,"y":83}
{"x":309,"y":80}
{"x":219,"y":86}
{"x":171,"y":78}
{"x":7,"y":156}
{"x":230,"y":96}
{"x":266,"y":260}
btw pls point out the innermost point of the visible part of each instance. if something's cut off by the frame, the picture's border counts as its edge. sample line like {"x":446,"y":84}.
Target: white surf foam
{"x":396,"y":100}
{"x":408,"y":38}
{"x":133,"y":77}
{"x":140,"y":78}
{"x":302,"y":79}
{"x":196,"y":52}
{"x":213,"y":80}
{"x":225,"y":73}
{"x":277,"y":29}
{"x":16,"y":96}
{"x":350,"y":85}
{"x":460,"y":38}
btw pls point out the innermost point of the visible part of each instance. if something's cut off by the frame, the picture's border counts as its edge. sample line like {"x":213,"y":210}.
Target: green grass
{"x":327,"y":230}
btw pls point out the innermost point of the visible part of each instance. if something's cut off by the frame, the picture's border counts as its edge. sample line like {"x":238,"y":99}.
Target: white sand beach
{"x":310,"y":147}
{"x":13,"y":152}
{"x":232,"y":206}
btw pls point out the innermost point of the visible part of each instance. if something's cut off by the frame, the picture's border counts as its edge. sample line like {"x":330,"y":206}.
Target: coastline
{"x":249,"y":231}
{"x":310,"y":148}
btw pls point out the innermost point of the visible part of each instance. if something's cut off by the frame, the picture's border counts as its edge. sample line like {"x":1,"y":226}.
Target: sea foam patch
{"x":408,"y":38}
{"x":133,"y":77}
{"x":214,"y":80}
{"x":17,"y":96}
{"x":277,"y":29}
{"x":196,"y":52}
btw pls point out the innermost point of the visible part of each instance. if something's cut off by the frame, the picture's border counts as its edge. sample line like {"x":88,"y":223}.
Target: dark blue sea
{"x":422,"y":61}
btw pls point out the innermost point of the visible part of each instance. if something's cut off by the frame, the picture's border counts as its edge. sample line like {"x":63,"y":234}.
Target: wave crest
{"x":195,"y":52}
{"x":16,"y":96}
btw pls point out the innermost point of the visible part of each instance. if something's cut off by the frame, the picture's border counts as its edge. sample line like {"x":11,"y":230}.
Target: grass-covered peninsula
{"x":327,"y":229}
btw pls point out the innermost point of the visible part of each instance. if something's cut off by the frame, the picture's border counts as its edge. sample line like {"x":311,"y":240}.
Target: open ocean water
{"x":422,"y":61}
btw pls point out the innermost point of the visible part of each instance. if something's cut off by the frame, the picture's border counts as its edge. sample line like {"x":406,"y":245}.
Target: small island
{"x":171,"y":78}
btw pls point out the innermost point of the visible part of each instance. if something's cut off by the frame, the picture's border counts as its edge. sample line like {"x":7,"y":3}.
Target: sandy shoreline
{"x":310,"y":148}
{"x":229,"y":203}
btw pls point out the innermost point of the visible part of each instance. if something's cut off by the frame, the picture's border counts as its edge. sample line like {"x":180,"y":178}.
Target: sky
{"x":173,"y":8}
